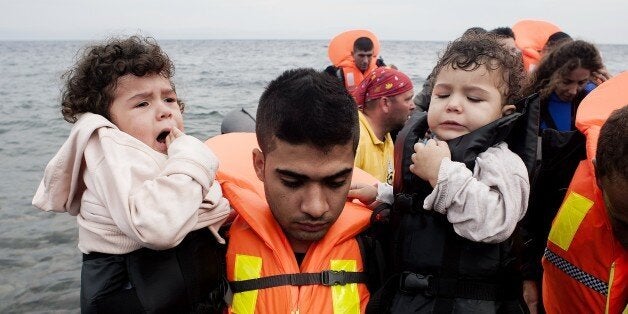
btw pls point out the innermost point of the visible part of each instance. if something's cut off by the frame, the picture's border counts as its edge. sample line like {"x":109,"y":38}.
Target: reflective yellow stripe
{"x":610,"y":286}
{"x":568,"y":220}
{"x":345,"y":299}
{"x":610,"y":290}
{"x":246,"y":267}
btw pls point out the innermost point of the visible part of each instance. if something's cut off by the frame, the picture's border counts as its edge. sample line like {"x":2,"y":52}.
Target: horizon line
{"x":234,"y":39}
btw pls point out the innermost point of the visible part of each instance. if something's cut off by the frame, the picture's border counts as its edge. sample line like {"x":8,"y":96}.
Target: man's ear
{"x":508,"y":109}
{"x":384,"y":103}
{"x":258,"y":163}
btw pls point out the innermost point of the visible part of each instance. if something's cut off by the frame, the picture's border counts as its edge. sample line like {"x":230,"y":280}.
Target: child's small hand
{"x":174,"y":133}
{"x":365,"y":193}
{"x":427,"y":158}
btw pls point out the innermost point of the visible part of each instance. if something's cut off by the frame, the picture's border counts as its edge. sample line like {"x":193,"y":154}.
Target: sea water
{"x":39,"y":260}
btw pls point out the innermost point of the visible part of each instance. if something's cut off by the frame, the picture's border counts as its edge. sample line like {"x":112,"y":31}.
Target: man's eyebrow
{"x":293,"y":174}
{"x":340,"y":173}
{"x":300,"y":176}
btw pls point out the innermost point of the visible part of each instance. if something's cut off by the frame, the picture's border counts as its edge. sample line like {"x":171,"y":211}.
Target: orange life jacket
{"x":258,"y":247}
{"x":530,"y":37}
{"x":339,"y":52}
{"x":585,"y":266}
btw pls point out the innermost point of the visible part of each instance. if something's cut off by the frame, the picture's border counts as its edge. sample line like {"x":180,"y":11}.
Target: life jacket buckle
{"x":333,"y":277}
{"x":411,"y":283}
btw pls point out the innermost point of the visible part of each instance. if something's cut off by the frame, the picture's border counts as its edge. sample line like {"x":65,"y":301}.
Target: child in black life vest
{"x":471,"y":89}
{"x":147,"y":204}
{"x":450,"y":244}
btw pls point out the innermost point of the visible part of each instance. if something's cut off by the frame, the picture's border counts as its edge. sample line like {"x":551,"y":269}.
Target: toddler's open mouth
{"x":161,"y":138}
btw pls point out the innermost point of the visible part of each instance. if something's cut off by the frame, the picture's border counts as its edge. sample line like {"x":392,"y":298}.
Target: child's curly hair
{"x":90,"y":84}
{"x":472,"y":51}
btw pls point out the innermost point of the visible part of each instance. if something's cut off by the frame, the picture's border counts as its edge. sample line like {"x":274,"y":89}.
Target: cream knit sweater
{"x":125,"y":194}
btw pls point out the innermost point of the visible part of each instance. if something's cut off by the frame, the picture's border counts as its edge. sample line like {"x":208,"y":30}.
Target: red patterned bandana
{"x":381,"y":82}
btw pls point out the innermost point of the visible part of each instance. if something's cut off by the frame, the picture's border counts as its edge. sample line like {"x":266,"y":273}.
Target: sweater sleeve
{"x":152,"y":202}
{"x":484,"y":206}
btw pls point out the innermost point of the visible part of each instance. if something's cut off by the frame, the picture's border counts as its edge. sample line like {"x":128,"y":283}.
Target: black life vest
{"x":429,"y":258}
{"x":187,"y":278}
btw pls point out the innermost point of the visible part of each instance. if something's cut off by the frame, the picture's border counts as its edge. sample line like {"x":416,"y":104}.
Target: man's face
{"x":306,"y":188}
{"x":400,"y":108}
{"x":362,"y":59}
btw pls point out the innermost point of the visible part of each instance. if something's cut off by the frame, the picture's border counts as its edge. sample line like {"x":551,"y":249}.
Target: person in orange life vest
{"x":562,"y":80}
{"x":298,"y":224}
{"x":384,"y":100}
{"x":361,"y":60}
{"x":585,"y":262}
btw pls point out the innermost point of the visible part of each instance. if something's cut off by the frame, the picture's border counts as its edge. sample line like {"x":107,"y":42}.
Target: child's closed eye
{"x":142,"y":104}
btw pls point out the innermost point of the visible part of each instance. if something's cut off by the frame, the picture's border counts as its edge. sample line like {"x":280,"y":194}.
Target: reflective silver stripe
{"x":576,"y":273}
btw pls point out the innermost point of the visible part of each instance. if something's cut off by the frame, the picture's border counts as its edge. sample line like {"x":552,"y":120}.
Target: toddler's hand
{"x":427,"y":158}
{"x":174,"y":133}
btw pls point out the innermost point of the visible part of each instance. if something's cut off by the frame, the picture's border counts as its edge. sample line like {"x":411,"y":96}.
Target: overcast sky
{"x":600,"y":22}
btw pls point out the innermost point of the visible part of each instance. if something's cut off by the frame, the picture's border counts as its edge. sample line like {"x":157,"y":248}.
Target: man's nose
{"x":315,"y":202}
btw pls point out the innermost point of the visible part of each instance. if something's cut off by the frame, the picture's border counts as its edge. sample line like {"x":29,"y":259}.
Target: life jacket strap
{"x":325,"y":278}
{"x":576,"y":273}
{"x":431,"y":286}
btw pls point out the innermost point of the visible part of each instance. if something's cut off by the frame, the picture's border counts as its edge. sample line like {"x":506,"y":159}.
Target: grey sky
{"x":600,"y":22}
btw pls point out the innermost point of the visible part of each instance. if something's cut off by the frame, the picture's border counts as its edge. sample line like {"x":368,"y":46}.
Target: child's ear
{"x":508,"y":109}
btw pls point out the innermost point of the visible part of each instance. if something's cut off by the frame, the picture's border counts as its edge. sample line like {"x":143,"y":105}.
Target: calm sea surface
{"x":39,"y":260}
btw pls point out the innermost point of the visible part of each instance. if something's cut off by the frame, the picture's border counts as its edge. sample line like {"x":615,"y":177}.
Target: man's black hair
{"x":363,"y":44}
{"x":304,"y":106}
